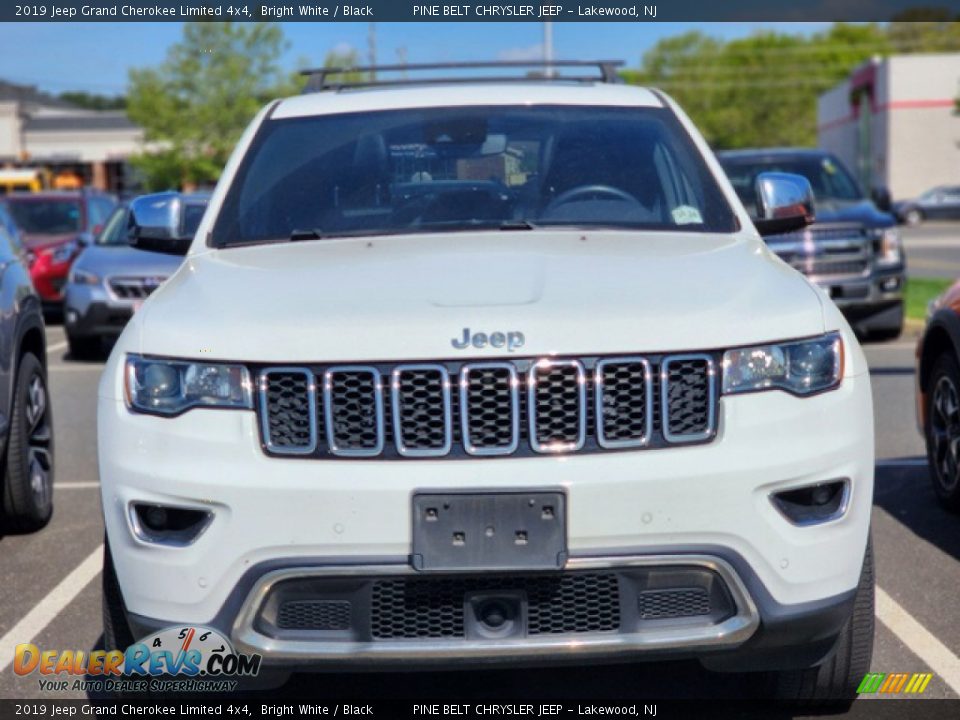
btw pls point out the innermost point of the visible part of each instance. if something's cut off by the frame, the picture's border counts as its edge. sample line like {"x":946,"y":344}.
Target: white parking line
{"x":34,"y":622}
{"x":76,"y":485}
{"x":75,"y":368}
{"x":57,"y":346}
{"x":919,"y":640}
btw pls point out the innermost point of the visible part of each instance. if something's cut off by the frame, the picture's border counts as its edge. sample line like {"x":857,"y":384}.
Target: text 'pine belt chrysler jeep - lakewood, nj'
{"x":490,"y":370}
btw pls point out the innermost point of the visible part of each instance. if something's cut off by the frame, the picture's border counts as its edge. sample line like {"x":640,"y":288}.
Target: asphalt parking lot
{"x":50,"y":582}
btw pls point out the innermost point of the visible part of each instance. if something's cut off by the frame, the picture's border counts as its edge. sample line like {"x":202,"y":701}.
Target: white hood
{"x":568,"y":292}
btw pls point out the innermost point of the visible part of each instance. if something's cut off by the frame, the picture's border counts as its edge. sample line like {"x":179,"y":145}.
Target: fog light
{"x":167,"y":525}
{"x":813,"y":504}
{"x":71,"y":317}
{"x":890,"y":284}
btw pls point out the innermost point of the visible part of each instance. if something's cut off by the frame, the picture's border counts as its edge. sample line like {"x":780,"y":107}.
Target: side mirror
{"x":881,"y":198}
{"x":784,"y":203}
{"x":156,"y":224}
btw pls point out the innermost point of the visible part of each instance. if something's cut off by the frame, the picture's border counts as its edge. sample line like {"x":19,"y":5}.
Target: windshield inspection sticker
{"x":686,"y":215}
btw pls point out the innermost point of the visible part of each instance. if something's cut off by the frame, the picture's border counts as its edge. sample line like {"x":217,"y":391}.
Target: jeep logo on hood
{"x":510,"y":340}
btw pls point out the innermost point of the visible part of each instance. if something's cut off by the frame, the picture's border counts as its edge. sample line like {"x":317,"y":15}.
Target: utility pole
{"x":372,"y":48}
{"x":548,"y":48}
{"x":402,"y":59}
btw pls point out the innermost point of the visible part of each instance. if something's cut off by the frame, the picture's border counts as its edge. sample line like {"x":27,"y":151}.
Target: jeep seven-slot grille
{"x":483,"y":409}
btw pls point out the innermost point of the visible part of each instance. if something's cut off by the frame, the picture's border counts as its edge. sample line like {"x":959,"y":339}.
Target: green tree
{"x":195,"y":105}
{"x":760,"y":90}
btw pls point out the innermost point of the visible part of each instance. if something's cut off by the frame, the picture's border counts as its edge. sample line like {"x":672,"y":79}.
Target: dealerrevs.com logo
{"x":177,"y":659}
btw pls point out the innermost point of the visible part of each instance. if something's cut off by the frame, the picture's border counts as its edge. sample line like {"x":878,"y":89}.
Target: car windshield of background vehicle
{"x":115,"y":229}
{"x":831,"y":183}
{"x":453,"y":169}
{"x":45,"y":217}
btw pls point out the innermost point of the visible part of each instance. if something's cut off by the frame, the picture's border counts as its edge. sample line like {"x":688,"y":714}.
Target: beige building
{"x":38,"y":130}
{"x":894,"y":122}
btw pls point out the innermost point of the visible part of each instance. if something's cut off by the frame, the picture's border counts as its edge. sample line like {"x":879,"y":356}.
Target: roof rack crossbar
{"x":319,"y":78}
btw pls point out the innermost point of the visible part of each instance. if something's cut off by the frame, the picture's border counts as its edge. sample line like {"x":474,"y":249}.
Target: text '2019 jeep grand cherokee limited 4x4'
{"x":490,"y":371}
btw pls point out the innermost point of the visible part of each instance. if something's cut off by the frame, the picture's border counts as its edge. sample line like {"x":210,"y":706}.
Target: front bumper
{"x":861,"y":296}
{"x":90,"y":311}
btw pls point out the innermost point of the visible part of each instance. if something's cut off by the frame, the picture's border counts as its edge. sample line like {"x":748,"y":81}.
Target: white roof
{"x":329,"y":102}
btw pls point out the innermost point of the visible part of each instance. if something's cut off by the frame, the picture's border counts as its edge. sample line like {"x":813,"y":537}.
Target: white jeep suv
{"x":490,"y":371}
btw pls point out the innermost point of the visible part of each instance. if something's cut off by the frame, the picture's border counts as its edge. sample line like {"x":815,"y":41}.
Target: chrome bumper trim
{"x":732,"y":631}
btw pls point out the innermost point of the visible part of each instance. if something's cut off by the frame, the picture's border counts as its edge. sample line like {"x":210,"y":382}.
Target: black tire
{"x":943,"y":426}
{"x":835,"y":680}
{"x":84,"y":348}
{"x":28,"y":476}
{"x":116,"y":630}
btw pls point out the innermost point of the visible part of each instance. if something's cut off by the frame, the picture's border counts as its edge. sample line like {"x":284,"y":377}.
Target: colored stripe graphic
{"x":892,"y":683}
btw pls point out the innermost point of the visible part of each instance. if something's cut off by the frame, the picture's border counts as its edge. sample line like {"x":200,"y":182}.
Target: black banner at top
{"x":473,"y":11}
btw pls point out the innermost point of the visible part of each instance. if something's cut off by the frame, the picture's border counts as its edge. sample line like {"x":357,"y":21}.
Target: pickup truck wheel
{"x":835,"y":680}
{"x":28,"y":481}
{"x":943,"y":430}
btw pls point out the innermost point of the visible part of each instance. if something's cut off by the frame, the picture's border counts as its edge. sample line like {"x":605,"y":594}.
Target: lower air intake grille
{"x":314,"y":615}
{"x":663,"y":604}
{"x":434,"y":608}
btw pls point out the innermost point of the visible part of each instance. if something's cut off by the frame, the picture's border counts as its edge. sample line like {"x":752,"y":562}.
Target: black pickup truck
{"x":853,"y":250}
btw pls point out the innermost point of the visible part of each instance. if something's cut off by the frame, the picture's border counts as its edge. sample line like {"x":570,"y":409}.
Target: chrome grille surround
{"x":264,"y":383}
{"x":600,"y":399}
{"x":467,"y":405}
{"x":710,"y":400}
{"x":519,"y":407}
{"x":537,"y":387}
{"x":133,"y":288}
{"x":330,"y":410}
{"x":397,"y":399}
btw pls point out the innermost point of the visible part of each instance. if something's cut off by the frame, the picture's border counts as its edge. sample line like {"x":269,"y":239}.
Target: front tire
{"x":913,"y":217}
{"x":28,"y":483}
{"x":116,"y":630}
{"x":837,"y":677}
{"x":942,"y":430}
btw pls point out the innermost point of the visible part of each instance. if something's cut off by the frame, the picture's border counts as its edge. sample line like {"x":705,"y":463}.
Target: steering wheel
{"x":581,"y":191}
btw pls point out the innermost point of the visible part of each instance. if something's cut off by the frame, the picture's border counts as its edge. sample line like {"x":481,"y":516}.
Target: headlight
{"x":889,"y":246}
{"x":82,"y":277}
{"x":169,"y":387}
{"x":803,"y":367}
{"x":64,"y":253}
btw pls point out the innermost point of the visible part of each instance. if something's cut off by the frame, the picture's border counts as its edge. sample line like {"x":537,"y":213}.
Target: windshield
{"x":829,"y":179}
{"x":443,"y":169}
{"x":46,"y":217}
{"x":115,"y":229}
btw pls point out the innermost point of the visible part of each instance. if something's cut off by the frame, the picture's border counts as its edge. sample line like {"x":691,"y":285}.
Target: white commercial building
{"x":38,"y":130}
{"x":894,"y":122}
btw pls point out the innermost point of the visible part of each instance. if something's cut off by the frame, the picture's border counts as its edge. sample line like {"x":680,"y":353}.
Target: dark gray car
{"x":110,"y":280}
{"x":939,"y":203}
{"x":26,"y":424}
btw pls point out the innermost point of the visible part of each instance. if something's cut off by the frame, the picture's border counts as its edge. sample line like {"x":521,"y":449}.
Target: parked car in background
{"x":938,"y":395}
{"x":110,"y":280}
{"x":939,"y":203}
{"x":853,"y":250}
{"x":12,"y":231}
{"x":56,"y":226}
{"x":26,"y":427}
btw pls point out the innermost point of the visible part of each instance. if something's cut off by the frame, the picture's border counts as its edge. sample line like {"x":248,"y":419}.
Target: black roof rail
{"x":318,"y":79}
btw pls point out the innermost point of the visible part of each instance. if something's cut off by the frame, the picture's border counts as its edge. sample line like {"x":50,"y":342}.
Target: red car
{"x":55,"y":227}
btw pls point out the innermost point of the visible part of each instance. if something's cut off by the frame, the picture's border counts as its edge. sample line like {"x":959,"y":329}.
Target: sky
{"x":95,"y":57}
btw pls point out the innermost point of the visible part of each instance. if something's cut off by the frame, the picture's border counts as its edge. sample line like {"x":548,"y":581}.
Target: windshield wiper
{"x":518,"y":225}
